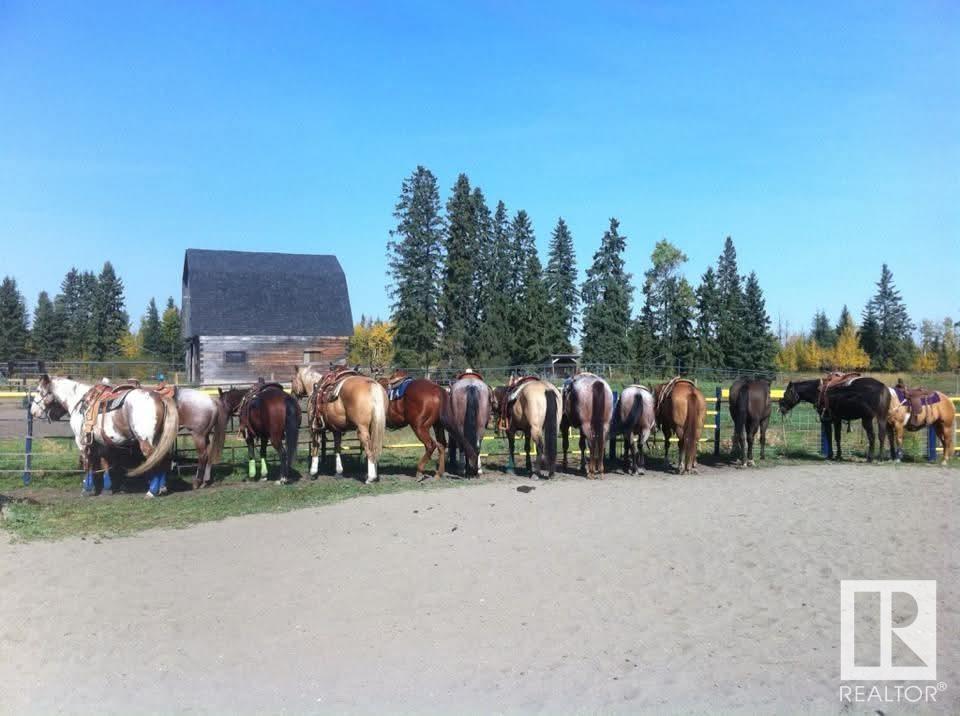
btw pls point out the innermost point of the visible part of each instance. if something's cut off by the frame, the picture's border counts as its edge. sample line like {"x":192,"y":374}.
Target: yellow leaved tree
{"x":847,"y":354}
{"x":371,"y":344}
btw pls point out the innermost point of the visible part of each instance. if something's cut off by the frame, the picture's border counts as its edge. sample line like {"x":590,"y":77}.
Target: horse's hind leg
{"x":565,"y":439}
{"x":881,"y":436}
{"x":442,"y":448}
{"x":944,"y":432}
{"x":263,"y":459}
{"x":751,"y":437}
{"x":337,"y":439}
{"x":314,"y":454}
{"x":583,"y":455}
{"x":526,"y":446}
{"x":871,"y":437}
{"x":511,"y":445}
{"x":277,"y":442}
{"x":629,"y":456}
{"x":763,"y":438}
{"x":251,"y":460}
{"x":423,"y":435}
{"x":666,"y":447}
{"x":200,"y":441}
{"x":364,"y":434}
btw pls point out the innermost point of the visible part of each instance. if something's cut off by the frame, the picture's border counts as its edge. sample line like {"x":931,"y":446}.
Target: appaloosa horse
{"x":840,"y":398}
{"x":680,"y":410}
{"x":531,"y":406}
{"x":634,"y":419}
{"x":417,"y":402}
{"x":203,"y":417}
{"x":103,"y":418}
{"x":588,"y":407}
{"x":267,"y":413}
{"x":749,"y":405}
{"x":465,"y":412}
{"x":916,"y":409}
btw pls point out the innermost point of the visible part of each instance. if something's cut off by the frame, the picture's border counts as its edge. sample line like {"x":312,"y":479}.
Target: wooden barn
{"x":250,"y":314}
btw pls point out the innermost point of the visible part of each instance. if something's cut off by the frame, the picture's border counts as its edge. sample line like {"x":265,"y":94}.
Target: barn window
{"x":312,"y":357}
{"x":235,"y":357}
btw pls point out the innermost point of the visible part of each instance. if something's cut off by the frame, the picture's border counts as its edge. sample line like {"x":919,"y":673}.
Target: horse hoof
{"x":149,"y":495}
{"x":163,"y":490}
{"x":751,"y":463}
{"x":264,"y":479}
{"x":371,"y":480}
{"x":87,"y":493}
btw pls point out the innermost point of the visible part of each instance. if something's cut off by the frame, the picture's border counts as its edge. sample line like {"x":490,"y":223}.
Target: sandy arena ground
{"x":714,"y":593}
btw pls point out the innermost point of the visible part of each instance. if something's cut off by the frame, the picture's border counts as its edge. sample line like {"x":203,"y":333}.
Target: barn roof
{"x":246,"y":293}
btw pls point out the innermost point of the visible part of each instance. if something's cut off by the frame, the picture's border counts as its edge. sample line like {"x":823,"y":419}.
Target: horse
{"x":339,"y":402}
{"x":633,"y":417}
{"x":680,"y":410}
{"x":915,"y":410}
{"x":266,"y":412}
{"x":588,"y":407}
{"x":203,"y":417}
{"x":417,"y":403}
{"x":533,"y":408}
{"x":465,"y":412}
{"x":854,"y":398}
{"x":749,"y":405}
{"x":135,"y":417}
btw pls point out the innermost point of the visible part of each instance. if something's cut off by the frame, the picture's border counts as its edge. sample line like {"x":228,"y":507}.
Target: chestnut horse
{"x":464,"y":414}
{"x":357,"y":402}
{"x":532,"y":408}
{"x":588,"y":407}
{"x":634,"y":418}
{"x":680,"y":410}
{"x":417,"y":403}
{"x":914,"y":411}
{"x":749,"y":405}
{"x":271,"y":414}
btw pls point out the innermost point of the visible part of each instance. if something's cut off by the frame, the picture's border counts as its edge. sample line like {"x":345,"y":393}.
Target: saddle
{"x":668,"y":390}
{"x":916,"y":399}
{"x":164,"y":390}
{"x":100,"y":400}
{"x":397,"y":385}
{"x":327,"y":390}
{"x":469,"y":373}
{"x":247,"y":402}
{"x":833,"y":380}
{"x":514,"y":386}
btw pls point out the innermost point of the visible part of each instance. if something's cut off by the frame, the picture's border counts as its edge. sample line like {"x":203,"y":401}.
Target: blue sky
{"x":825,"y":141}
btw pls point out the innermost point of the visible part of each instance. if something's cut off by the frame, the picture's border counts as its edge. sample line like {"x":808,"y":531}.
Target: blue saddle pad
{"x":397,"y":392}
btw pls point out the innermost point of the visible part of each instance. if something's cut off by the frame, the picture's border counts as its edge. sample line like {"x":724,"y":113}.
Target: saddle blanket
{"x":396,"y":392}
{"x":931,"y":399}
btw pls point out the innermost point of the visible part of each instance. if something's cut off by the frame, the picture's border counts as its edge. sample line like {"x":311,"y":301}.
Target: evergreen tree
{"x":731,"y":328}
{"x":761,"y":344}
{"x":496,"y":331}
{"x":531,"y":343}
{"x":108,"y":319}
{"x":823,"y":333}
{"x":668,"y":307}
{"x":845,"y":319}
{"x":171,"y":333}
{"x":47,"y":336}
{"x":522,"y":246}
{"x":886,"y":330}
{"x":415,"y":257}
{"x":150,"y":336}
{"x":456,"y":297}
{"x":607,"y":295}
{"x":708,"y":314}
{"x":74,"y":314}
{"x":485,"y":268}
{"x":560,"y":282}
{"x":13,"y":321}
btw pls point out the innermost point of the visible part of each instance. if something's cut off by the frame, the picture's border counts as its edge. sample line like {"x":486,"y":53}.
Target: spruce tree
{"x":708,"y":309}
{"x":823,"y":333}
{"x":560,"y":281}
{"x":731,"y":328}
{"x":607,"y":295}
{"x":415,"y":257}
{"x":668,"y":307}
{"x":761,"y":344}
{"x":846,"y":318}
{"x":74,"y":314}
{"x":171,"y":334}
{"x":484,"y":268}
{"x":496,"y":331}
{"x":456,"y":297}
{"x":886,"y":330}
{"x":150,"y":336}
{"x":13,"y":321}
{"x":522,"y":246}
{"x":108,"y":320}
{"x":531,"y":343}
{"x":47,"y":335}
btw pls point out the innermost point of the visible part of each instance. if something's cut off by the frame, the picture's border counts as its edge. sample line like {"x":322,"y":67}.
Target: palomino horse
{"x":203,"y":417}
{"x":352,"y":402}
{"x":851,"y":398}
{"x":633,"y":417}
{"x":750,"y":409}
{"x":465,"y":412}
{"x":417,"y":402}
{"x":916,"y":409}
{"x":588,"y":407}
{"x":136,"y":417}
{"x":680,"y":410}
{"x":267,"y":412}
{"x":532,"y":407}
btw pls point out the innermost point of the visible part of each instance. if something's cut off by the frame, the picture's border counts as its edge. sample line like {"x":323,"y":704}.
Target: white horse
{"x":146,"y":419}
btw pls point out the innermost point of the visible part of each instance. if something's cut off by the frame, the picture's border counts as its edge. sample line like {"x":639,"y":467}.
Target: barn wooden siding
{"x":272,"y":357}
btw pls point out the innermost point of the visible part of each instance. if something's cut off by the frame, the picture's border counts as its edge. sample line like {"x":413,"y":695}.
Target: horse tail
{"x":470,"y":414}
{"x":378,"y":421}
{"x":691,"y":429}
{"x":635,"y":411}
{"x":291,"y":428}
{"x":597,"y":409}
{"x":219,"y":435}
{"x":550,"y":427}
{"x":167,"y":441}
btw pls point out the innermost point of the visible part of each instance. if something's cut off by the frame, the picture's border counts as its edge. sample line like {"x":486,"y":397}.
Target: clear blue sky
{"x":824,"y":140}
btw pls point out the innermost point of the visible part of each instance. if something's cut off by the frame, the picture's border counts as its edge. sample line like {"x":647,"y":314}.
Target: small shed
{"x":251,"y":314}
{"x":562,"y":365}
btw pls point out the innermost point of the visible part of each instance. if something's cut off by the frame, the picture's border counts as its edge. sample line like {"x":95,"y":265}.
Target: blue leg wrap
{"x":155,"y":486}
{"x":88,"y":482}
{"x":107,"y":483}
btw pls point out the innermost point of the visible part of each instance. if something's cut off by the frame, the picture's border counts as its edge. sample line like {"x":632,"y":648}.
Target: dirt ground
{"x":713,"y":593}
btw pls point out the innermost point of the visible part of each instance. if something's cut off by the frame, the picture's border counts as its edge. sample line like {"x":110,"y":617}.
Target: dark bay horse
{"x":267,"y":412}
{"x":749,"y":405}
{"x":533,"y":408}
{"x":680,"y":410}
{"x":465,"y":412}
{"x":588,"y":407}
{"x":417,"y":402}
{"x":635,"y":420}
{"x":858,"y":398}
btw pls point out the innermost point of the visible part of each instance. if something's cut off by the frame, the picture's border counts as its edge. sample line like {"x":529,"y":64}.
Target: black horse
{"x":750,"y":409}
{"x":864,"y":399}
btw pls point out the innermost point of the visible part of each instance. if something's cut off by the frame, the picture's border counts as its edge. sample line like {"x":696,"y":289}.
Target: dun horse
{"x":340,"y":401}
{"x":750,"y":409}
{"x":102,"y":418}
{"x":916,"y":409}
{"x":635,"y":420}
{"x":532,"y":406}
{"x":680,"y":410}
{"x":465,"y":412}
{"x":417,"y":402}
{"x":588,"y":407}
{"x":267,"y":413}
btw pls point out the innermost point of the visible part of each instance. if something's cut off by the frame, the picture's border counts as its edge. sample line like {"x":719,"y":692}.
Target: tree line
{"x":87,"y":320}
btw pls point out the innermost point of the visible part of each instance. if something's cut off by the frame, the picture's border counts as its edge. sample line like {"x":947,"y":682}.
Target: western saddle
{"x":510,"y":396}
{"x":834,"y":379}
{"x":247,"y":401}
{"x":916,"y":399}
{"x":104,"y":398}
